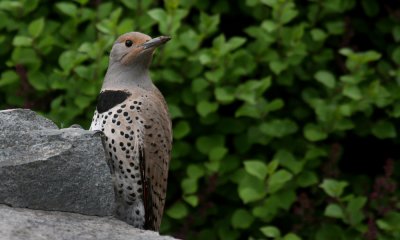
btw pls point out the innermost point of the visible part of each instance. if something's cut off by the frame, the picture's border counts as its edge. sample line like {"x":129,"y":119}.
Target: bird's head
{"x":135,"y":48}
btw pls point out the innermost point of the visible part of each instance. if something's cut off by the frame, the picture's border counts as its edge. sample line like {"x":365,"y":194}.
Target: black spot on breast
{"x":109,"y":99}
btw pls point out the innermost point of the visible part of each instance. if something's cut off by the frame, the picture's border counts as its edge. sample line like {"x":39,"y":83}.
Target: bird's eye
{"x":128,"y":43}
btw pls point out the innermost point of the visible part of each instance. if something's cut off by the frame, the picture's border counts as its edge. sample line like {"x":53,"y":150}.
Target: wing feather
{"x":156,"y":155}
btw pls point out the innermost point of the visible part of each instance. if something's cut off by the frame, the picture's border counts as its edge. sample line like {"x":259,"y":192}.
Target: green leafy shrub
{"x":284,"y":111}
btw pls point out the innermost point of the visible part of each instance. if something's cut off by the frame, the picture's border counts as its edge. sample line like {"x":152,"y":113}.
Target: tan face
{"x":135,"y":48}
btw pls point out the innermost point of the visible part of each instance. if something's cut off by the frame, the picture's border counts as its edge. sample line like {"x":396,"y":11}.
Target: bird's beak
{"x":155,"y":42}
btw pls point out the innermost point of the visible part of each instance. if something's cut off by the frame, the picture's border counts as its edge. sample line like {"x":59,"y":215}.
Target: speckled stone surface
{"x":25,"y":224}
{"x":43,"y":167}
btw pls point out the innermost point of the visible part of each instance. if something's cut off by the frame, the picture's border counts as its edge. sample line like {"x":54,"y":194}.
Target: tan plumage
{"x":133,"y":115}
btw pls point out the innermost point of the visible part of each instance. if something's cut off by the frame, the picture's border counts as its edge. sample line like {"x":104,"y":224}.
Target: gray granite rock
{"x":25,"y":224}
{"x":43,"y":167}
{"x":23,"y":120}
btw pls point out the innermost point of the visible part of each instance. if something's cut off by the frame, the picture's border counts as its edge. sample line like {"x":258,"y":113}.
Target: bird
{"x":133,"y":117}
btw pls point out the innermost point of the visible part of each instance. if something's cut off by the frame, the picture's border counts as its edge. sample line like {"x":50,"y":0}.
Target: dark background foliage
{"x":285,"y":112}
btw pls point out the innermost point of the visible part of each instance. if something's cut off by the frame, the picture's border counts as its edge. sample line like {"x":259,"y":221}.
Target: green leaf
{"x":335,"y":27}
{"x":208,"y":24}
{"x":190,"y":39}
{"x":330,"y":232}
{"x":287,"y":12}
{"x":250,"y":90}
{"x":233,"y":44}
{"x":326,"y":78}
{"x":371,"y":7}
{"x":269,"y":25}
{"x":81,"y":101}
{"x":390,"y":222}
{"x":277,"y":180}
{"x":318,"y":35}
{"x":271,"y":3}
{"x":256,"y":168}
{"x":248,"y":110}
{"x":333,"y":187}
{"x":354,"y":209}
{"x":199,"y":85}
{"x":35,"y":28}
{"x":105,"y":26}
{"x":66,"y":60}
{"x":181,"y":129}
{"x":272,"y":166}
{"x":8,"y":77}
{"x":195,"y":171}
{"x":286,"y":198}
{"x":175,"y":111}
{"x":22,"y":41}
{"x":193,"y":200}
{"x":177,"y":211}
{"x":213,"y":166}
{"x":38,"y":80}
{"x":158,"y":14}
{"x":67,"y":8}
{"x":268,"y":209}
{"x":251,"y":188}
{"x":274,"y":105}
{"x":215,"y":75}
{"x":279,"y":127}
{"x":82,"y":2}
{"x":217,"y":153}
{"x":10,"y":5}
{"x":205,"y":143}
{"x":278,"y":66}
{"x":241,"y":218}
{"x":307,"y":178}
{"x":333,"y":210}
{"x":130,"y":4}
{"x":189,"y":185}
{"x":396,"y":55}
{"x":204,"y":108}
{"x":396,"y":33}
{"x":84,"y":72}
{"x":384,"y":129}
{"x":370,"y":56}
{"x":291,"y":236}
{"x":125,"y":26}
{"x":352,"y":92}
{"x":271,"y":231}
{"x":314,"y":132}
{"x":287,"y":159}
{"x":225,"y":95}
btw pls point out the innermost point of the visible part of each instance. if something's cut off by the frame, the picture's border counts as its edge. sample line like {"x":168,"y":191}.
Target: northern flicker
{"x":133,"y":115}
